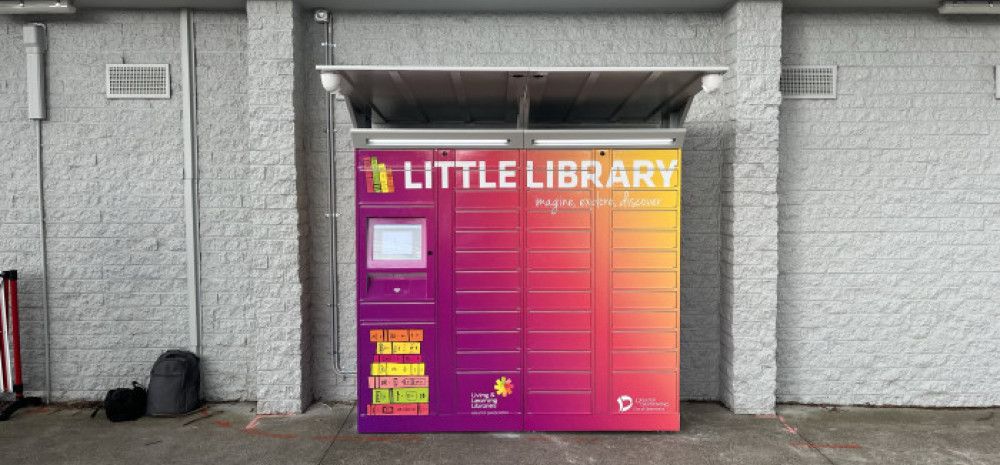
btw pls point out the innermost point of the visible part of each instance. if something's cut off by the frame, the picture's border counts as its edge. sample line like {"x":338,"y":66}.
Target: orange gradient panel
{"x":644,"y":219}
{"x":644,"y":239}
{"x":644,"y":279}
{"x":625,"y":319}
{"x":647,"y":260}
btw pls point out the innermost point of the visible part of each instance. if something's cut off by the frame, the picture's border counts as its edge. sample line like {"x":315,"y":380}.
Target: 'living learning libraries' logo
{"x":379,"y":179}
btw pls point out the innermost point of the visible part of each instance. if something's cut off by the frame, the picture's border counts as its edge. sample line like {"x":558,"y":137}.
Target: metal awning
{"x":454,"y":97}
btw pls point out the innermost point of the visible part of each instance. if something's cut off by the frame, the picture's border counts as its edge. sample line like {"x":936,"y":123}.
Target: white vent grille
{"x":138,"y":81}
{"x":809,"y":82}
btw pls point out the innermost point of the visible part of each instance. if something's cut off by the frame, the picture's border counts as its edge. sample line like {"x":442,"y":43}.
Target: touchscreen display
{"x":396,"y":243}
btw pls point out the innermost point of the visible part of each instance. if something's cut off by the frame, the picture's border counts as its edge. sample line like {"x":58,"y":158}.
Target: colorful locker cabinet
{"x":508,"y":290}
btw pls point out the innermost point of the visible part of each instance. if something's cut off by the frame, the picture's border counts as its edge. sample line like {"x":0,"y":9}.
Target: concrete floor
{"x":326,"y":434}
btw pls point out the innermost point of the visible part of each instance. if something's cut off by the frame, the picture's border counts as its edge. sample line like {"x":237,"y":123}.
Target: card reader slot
{"x":389,"y":286}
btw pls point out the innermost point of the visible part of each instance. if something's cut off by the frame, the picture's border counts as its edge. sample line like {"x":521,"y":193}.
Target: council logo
{"x":624,"y":403}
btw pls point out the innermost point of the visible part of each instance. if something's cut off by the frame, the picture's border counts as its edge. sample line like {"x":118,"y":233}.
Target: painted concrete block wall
{"x":277,"y":206}
{"x":113,"y":199}
{"x":749,"y":248}
{"x":535,"y":40}
{"x":230,"y":178}
{"x":890,"y":214}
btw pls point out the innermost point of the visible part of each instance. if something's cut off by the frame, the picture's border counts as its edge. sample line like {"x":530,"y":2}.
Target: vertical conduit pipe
{"x":36,"y":45}
{"x":338,"y":365}
{"x":190,"y":126}
{"x":45,"y":262}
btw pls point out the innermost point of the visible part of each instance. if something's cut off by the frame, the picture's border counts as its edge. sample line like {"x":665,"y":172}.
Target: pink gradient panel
{"x":551,"y":360}
{"x":558,"y":280}
{"x":554,"y":321}
{"x":542,"y":402}
{"x":572,"y":260}
{"x":559,"y":300}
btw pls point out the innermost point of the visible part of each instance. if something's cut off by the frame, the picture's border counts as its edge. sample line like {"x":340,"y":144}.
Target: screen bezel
{"x":374,"y":263}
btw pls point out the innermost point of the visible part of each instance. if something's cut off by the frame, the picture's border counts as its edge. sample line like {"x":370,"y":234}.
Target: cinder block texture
{"x":890,"y":213}
{"x":274,"y":147}
{"x":749,"y":251}
{"x":525,"y":40}
{"x":113,"y":198}
{"x":230,"y":179}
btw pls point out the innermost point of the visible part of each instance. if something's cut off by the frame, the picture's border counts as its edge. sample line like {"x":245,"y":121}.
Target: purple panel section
{"x":487,"y":260}
{"x":480,"y":321}
{"x":489,"y":361}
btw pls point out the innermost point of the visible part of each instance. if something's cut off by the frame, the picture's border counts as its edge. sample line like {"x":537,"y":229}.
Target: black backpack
{"x":174,"y":384}
{"x":124,"y":404}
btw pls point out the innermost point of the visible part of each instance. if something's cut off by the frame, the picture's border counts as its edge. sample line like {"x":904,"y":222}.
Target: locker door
{"x":640,"y":285}
{"x":559,"y":303}
{"x":482,"y":280}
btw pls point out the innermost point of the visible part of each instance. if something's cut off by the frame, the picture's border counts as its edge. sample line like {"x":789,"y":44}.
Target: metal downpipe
{"x":338,"y":365}
{"x":45,"y":262}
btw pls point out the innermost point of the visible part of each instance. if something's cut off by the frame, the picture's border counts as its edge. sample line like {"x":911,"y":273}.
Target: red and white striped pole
{"x":13,"y":355}
{"x":5,"y":373}
{"x":10,"y":348}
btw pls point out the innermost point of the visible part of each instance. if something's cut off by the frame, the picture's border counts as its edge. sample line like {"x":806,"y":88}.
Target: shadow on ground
{"x":232,"y":434}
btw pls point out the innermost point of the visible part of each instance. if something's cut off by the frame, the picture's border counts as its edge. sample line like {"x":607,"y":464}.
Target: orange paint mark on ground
{"x":788,"y":428}
{"x":222,"y":423}
{"x":253,"y":422}
{"x":807,"y":445}
{"x":251,"y":428}
{"x":256,"y":419}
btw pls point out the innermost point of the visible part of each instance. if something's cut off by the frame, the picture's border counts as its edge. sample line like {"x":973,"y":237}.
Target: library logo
{"x":624,"y":403}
